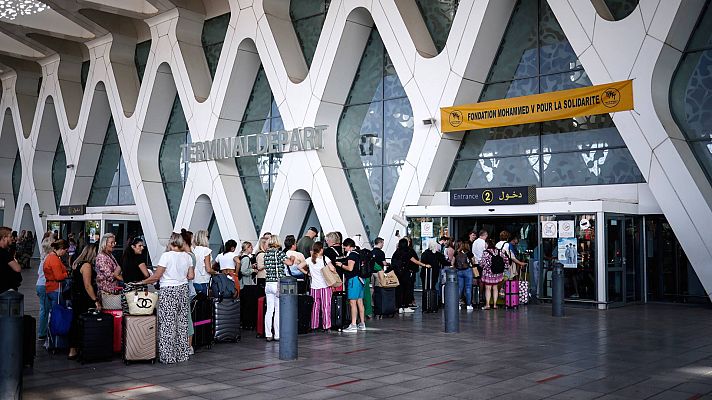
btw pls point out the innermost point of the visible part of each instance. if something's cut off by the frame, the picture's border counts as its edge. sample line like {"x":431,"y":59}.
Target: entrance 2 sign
{"x":591,"y":100}
{"x":493,"y":196}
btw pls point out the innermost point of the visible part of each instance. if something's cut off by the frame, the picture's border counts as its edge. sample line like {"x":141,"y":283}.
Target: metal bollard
{"x":11,"y":331}
{"x":557,"y":290}
{"x":452,"y":302}
{"x":288,"y":313}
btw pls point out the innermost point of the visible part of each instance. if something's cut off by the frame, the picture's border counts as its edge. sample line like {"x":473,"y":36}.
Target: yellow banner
{"x":591,"y":100}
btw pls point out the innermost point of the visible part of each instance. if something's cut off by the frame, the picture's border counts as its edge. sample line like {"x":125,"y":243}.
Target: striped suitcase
{"x":139,"y":344}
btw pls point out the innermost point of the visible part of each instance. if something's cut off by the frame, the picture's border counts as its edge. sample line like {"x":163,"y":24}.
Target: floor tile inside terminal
{"x":650,"y":351}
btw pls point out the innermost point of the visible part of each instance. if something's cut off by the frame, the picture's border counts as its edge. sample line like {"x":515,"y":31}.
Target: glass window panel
{"x":501,"y":141}
{"x":702,"y":37}
{"x":59,"y":171}
{"x":390,"y":179}
{"x":170,"y":158}
{"x":555,"y":52}
{"x":398,"y":130}
{"x":176,"y":120}
{"x":367,"y":188}
{"x":367,"y":85}
{"x":564,"y":81}
{"x":141,"y":53}
{"x":212,"y":56}
{"x":256,"y":195}
{"x":703,"y":151}
{"x":214,"y":29}
{"x":16,"y":176}
{"x":517,"y":54}
{"x":505,"y":90}
{"x":591,"y":167}
{"x":594,"y":131}
{"x":174,"y":193}
{"x":260,"y":103}
{"x":438,"y":16}
{"x":214,"y":237}
{"x":691,"y":95}
{"x":308,"y":31}
{"x":360,"y":135}
{"x":126,"y":196}
{"x":621,"y":8}
{"x":392,"y":86}
{"x":495,"y":172}
{"x":84,"y":74}
{"x":276,"y":124}
{"x":98,"y":196}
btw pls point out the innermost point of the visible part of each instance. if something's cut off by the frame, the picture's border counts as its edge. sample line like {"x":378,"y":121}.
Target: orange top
{"x":54,"y":271}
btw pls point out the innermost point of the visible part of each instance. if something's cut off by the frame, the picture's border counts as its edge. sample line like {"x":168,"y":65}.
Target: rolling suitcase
{"x":384,"y":301}
{"x":201,"y":311}
{"x":96,"y":336}
{"x":227,"y":320}
{"x":261,"y":311}
{"x":118,"y":316}
{"x":511,"y":293}
{"x":339,"y":307}
{"x":305,"y":304}
{"x":248,"y":307}
{"x":29,"y":346}
{"x":476,"y":301}
{"x":140,"y":333}
{"x":430,"y":295}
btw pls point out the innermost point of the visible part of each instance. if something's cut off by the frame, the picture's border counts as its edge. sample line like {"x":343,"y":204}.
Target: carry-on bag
{"x":118,"y":317}
{"x":221,"y":287}
{"x":476,"y":301}
{"x":227,"y":320}
{"x":60,"y":321}
{"x":430,"y":295}
{"x":511,"y":293}
{"x":261,"y":311}
{"x":140,"y":332}
{"x":339,"y":307}
{"x":141,"y":302}
{"x":29,"y":344}
{"x":96,"y":336}
{"x":384,"y":301}
{"x":111,"y":301}
{"x":248,"y":305}
{"x":305,"y":304}
{"x":202,"y":309}
{"x":524,"y":287}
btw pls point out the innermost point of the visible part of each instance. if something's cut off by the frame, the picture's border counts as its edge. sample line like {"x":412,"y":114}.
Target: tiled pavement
{"x":651,"y":351}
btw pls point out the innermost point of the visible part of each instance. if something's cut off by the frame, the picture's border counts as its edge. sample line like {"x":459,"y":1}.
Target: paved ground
{"x":651,"y":351}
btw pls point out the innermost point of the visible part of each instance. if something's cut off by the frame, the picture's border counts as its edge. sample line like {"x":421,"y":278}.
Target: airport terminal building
{"x":251,"y":116}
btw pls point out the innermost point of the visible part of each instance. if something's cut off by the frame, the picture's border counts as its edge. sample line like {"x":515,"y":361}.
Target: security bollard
{"x":557,"y":291}
{"x":288,"y":313}
{"x":11,"y":313}
{"x":452,"y":302}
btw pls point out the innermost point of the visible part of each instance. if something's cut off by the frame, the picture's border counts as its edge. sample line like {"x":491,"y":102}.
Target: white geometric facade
{"x":645,"y":46}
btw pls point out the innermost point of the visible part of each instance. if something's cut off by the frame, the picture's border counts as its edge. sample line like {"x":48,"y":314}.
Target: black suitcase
{"x":384,"y":301}
{"x":227,"y":320}
{"x":248,"y":307}
{"x":339,"y":310}
{"x":430,"y":295}
{"x":476,"y":295}
{"x":96,"y":336}
{"x":201,"y":311}
{"x":29,"y":344}
{"x":305,"y":304}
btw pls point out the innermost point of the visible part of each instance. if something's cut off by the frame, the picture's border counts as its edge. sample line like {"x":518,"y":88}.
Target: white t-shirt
{"x":317,"y":279}
{"x":177,"y":264}
{"x":201,"y":275}
{"x":226,"y":260}
{"x":478,"y":247}
{"x":298,"y":259}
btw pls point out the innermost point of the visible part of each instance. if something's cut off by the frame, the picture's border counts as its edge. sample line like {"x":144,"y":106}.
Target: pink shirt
{"x":105,"y":265}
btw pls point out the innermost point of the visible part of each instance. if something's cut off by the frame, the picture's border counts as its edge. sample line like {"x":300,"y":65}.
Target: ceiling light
{"x":10,"y":9}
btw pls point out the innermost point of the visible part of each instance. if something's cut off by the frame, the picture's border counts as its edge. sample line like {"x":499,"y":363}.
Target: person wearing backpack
{"x":368,"y":264}
{"x":493,"y":263}
{"x":464,"y":266}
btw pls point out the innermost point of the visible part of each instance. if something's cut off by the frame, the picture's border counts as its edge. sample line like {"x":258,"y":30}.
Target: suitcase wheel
{"x":153,"y":361}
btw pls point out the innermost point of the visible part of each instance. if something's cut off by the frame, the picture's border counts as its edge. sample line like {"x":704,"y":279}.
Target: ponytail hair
{"x":317,"y":247}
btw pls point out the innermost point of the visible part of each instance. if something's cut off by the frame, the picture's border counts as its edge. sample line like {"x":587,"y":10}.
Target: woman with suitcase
{"x":84,"y":294}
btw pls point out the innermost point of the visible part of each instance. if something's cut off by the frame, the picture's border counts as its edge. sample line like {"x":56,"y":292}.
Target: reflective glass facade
{"x":84,"y":74}
{"x":259,"y":173}
{"x":111,"y":185}
{"x":215,"y":237}
{"x":374,"y":133}
{"x":438,"y":16}
{"x":308,"y":18}
{"x":691,"y":92}
{"x":213,"y":36}
{"x":59,"y":171}
{"x":621,"y":8}
{"x":174,"y":171}
{"x":535,"y":57}
{"x":141,"y":57}
{"x":16,"y":176}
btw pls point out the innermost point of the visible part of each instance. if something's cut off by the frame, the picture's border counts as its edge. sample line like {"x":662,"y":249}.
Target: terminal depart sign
{"x":493,"y":196}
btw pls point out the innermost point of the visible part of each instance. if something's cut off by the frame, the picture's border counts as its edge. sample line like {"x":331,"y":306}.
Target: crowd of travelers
{"x":323,"y":269}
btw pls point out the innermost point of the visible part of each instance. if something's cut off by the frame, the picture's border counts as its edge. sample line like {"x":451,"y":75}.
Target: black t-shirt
{"x":356,"y":258}
{"x":335,"y":253}
{"x":9,"y":279}
{"x":379,"y":257}
{"x":129,"y":268}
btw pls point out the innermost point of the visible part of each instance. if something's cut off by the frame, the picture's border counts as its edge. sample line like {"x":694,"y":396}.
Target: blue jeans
{"x":464,"y":282}
{"x":201,"y":288}
{"x":45,"y":306}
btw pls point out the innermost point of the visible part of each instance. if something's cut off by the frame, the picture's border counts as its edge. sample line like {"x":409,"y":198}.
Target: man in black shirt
{"x":10,"y":270}
{"x":355,"y":286}
{"x":379,"y":257}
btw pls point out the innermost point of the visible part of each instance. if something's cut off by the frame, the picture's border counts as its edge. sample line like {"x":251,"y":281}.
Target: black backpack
{"x":367,"y":263}
{"x":239,"y":267}
{"x":462,"y":261}
{"x":497,"y":262}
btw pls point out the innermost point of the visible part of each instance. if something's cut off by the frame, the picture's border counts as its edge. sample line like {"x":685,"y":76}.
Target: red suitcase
{"x":118,"y":330}
{"x":261,"y":311}
{"x":511,"y":293}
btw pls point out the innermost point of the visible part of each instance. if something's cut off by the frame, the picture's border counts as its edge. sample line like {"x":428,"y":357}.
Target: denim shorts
{"x":355,"y":288}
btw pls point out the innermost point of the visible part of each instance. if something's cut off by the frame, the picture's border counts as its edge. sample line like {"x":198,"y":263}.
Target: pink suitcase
{"x":511,"y":293}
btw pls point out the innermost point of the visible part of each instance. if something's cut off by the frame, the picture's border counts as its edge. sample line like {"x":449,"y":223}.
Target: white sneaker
{"x":407,"y":310}
{"x":470,"y":308}
{"x":361,"y":326}
{"x":191,"y":351}
{"x":352,"y":328}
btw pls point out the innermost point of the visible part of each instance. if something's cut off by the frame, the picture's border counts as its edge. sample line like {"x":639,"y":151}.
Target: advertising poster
{"x":566,"y":229}
{"x":549,"y":230}
{"x":568,"y":252}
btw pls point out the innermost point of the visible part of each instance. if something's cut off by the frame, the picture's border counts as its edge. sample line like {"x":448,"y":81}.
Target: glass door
{"x":118,"y":228}
{"x":623,"y":260}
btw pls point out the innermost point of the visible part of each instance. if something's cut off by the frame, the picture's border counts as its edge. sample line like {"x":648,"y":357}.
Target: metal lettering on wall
{"x":493,"y":196}
{"x":298,"y":139}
